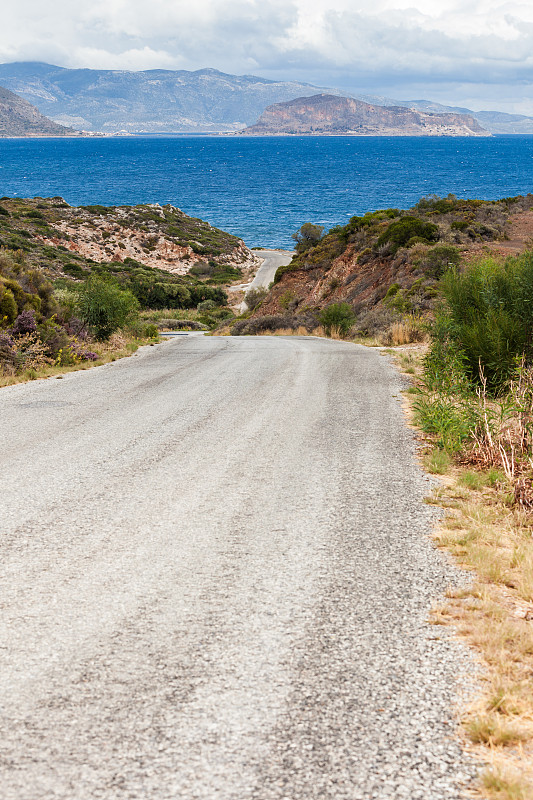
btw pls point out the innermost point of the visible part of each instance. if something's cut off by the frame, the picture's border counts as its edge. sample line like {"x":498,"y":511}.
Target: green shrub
{"x":338,"y":317}
{"x":151,"y":332}
{"x":490,"y":317}
{"x":403,"y":231}
{"x":459,"y":225}
{"x":450,"y":420}
{"x":254,"y":297}
{"x":76,"y":270}
{"x":8,"y":308}
{"x":286,"y":299}
{"x":56,"y":341}
{"x":445,"y":368}
{"x":206,"y":305}
{"x":223,"y":273}
{"x":372,"y":218}
{"x":67,"y":300}
{"x":439,"y":259}
{"x":104,"y":306}
{"x":201,"y":269}
{"x":396,"y":299}
{"x":102,"y":210}
{"x":440,"y":205}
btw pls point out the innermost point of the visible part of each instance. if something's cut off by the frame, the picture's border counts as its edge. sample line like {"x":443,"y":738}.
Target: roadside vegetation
{"x":61,"y":310}
{"x":45,"y":331}
{"x":473,"y":399}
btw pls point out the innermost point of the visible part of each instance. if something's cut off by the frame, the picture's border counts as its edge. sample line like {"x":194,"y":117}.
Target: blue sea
{"x":263,"y":189}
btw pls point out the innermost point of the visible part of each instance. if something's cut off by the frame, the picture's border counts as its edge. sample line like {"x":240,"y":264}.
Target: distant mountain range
{"x":153,"y":101}
{"x":328,"y":114}
{"x":20,"y":118}
{"x":168,"y":101}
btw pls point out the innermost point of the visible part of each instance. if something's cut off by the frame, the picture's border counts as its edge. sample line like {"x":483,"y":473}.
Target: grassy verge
{"x":489,"y":532}
{"x":120,"y":345}
{"x":493,"y":541}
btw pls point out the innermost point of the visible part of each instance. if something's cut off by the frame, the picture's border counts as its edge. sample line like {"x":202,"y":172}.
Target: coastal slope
{"x":55,"y":234}
{"x":327,"y":114}
{"x":386,"y":265}
{"x":20,"y":118}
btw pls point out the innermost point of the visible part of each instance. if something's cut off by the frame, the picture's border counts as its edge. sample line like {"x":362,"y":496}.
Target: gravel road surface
{"x":216,"y":576}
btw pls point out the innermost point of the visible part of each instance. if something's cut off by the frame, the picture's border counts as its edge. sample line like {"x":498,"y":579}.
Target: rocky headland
{"x":326,"y":114}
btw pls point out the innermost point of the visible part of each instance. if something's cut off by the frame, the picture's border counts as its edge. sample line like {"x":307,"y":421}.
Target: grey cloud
{"x":377,"y":51}
{"x":360,"y":49}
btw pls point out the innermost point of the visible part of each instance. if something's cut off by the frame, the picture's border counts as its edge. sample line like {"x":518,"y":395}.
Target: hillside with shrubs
{"x":72,"y":278}
{"x":378,"y":276}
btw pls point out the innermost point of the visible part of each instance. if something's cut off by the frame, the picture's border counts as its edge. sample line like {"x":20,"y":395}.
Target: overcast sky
{"x":473,"y":53}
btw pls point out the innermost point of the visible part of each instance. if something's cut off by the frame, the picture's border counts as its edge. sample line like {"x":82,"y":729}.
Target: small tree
{"x":104,"y":306}
{"x":337,"y":317}
{"x":308,"y":235}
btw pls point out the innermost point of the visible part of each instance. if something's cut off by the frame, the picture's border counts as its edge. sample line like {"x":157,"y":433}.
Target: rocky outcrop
{"x":20,"y":118}
{"x":326,"y":114}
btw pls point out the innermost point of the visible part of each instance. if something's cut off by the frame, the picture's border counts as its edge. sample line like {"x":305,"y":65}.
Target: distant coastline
{"x":242,"y":135}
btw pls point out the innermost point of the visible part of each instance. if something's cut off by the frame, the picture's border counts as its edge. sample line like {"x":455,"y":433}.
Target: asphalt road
{"x":272,"y":259}
{"x":216,"y":576}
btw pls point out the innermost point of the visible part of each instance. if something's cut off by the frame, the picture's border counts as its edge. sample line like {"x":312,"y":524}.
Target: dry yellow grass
{"x":495,"y":616}
{"x":502,"y":782}
{"x":406,"y":331}
{"x":493,"y":540}
{"x":300,"y":331}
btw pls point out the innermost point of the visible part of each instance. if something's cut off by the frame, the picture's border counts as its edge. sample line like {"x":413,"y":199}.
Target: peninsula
{"x":326,"y":114}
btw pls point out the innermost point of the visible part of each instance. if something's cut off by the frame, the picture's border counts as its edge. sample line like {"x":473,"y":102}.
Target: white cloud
{"x":134,"y":59}
{"x":357,"y":43}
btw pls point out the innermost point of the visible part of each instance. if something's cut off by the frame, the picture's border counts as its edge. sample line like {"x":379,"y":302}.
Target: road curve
{"x":272,"y":259}
{"x":216,"y":578}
